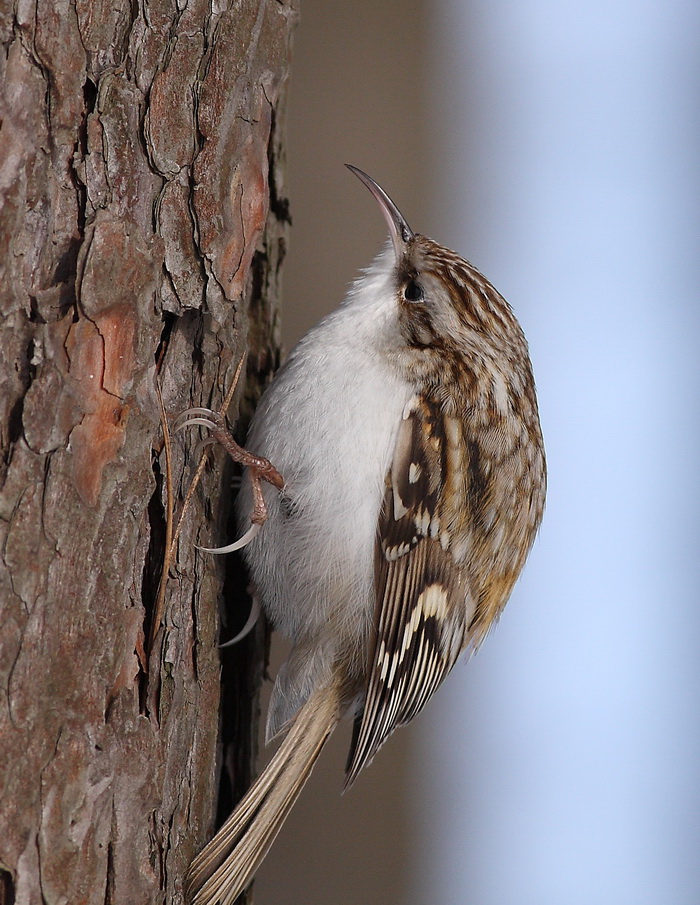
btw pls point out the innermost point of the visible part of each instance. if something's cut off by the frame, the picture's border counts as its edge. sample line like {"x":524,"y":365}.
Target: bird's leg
{"x":259,"y":469}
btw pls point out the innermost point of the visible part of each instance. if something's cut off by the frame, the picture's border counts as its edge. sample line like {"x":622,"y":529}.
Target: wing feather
{"x":422,"y":594}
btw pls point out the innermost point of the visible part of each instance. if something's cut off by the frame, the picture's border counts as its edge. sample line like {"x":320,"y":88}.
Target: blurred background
{"x":555,"y":145}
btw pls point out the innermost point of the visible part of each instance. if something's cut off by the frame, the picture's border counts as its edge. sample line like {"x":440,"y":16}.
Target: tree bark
{"x":142,"y":229}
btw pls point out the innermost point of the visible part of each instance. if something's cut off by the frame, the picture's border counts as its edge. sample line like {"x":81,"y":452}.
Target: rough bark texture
{"x":142,"y":220}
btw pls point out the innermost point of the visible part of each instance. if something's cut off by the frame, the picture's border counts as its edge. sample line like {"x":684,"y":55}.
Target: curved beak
{"x":399,"y":230}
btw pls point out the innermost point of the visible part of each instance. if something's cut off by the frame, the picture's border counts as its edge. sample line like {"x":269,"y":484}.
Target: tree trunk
{"x":142,"y":229}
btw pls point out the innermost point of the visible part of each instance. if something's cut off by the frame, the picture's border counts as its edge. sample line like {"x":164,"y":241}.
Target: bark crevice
{"x":136,"y":217}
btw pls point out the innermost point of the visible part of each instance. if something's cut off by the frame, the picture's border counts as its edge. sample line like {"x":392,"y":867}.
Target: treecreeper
{"x":405,"y":480}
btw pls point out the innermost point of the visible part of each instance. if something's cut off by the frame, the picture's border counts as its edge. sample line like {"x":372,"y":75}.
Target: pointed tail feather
{"x":225,"y":867}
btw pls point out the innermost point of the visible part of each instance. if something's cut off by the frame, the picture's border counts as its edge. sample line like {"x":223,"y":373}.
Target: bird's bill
{"x":399,"y":229}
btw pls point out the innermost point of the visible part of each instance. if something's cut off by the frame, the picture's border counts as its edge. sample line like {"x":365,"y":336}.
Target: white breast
{"x":328,"y":423}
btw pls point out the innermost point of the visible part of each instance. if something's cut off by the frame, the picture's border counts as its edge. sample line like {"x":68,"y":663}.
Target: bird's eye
{"x":413,"y":291}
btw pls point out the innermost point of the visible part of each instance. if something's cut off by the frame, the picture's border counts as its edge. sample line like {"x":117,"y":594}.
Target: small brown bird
{"x":405,"y":427}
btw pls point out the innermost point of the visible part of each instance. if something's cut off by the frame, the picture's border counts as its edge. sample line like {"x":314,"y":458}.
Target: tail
{"x":226,"y":865}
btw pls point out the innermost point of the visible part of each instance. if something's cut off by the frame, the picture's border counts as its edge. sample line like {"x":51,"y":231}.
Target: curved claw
{"x":191,"y":422}
{"x":248,"y":627}
{"x":200,"y":410}
{"x":202,"y":445}
{"x":207,"y":418}
{"x":236,"y":545}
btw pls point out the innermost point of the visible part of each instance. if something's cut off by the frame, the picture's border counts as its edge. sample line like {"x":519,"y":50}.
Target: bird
{"x":405,"y":473}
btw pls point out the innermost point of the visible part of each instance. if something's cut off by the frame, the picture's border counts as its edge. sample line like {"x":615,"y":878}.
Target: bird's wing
{"x":423,"y":598}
